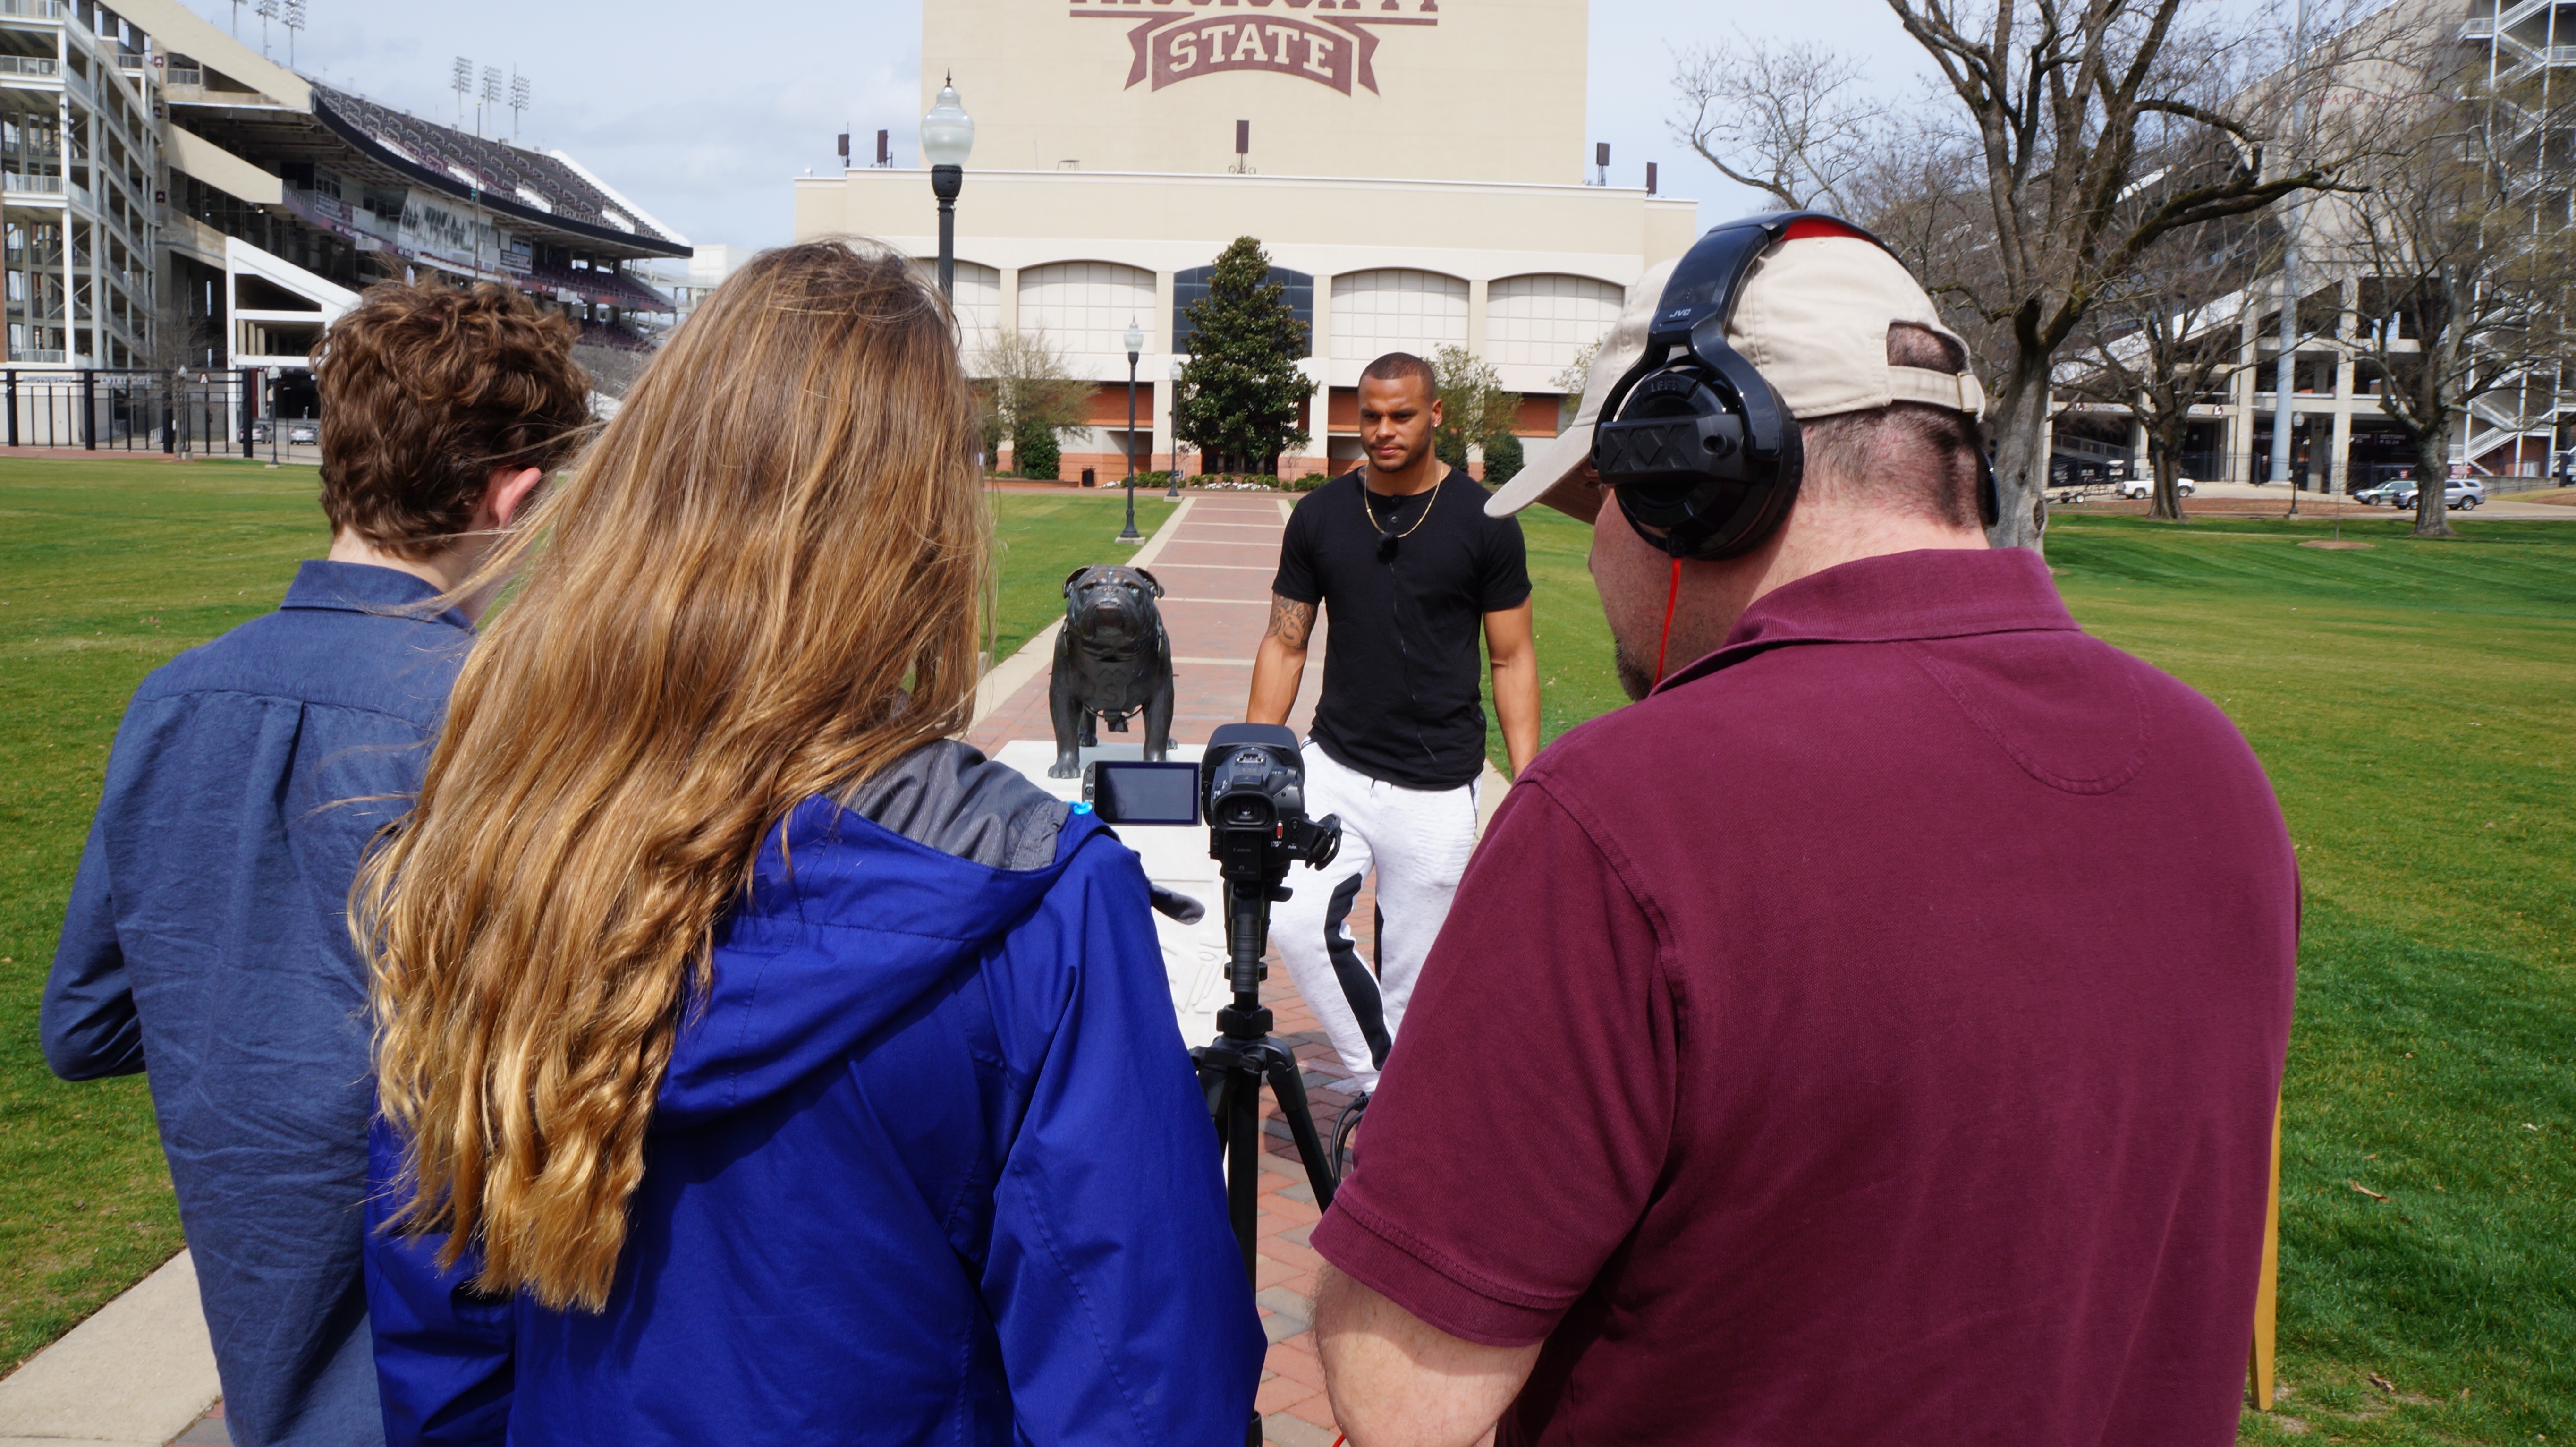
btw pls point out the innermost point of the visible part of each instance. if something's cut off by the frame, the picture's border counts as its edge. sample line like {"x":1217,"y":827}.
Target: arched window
{"x":1543,"y":321}
{"x":1084,"y":308}
{"x":1376,"y":312}
{"x":1192,"y":286}
{"x":977,"y":299}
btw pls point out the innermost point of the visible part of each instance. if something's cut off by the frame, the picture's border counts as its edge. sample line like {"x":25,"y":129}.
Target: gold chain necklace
{"x":1370,"y":508}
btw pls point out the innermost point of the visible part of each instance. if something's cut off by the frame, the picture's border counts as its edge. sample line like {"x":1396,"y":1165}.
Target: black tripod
{"x":1233,"y":1068}
{"x":1244,"y":1055}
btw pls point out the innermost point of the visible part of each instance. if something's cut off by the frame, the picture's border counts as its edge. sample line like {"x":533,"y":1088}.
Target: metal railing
{"x":18,"y":181}
{"x":183,"y":75}
{"x":44,"y":65}
{"x":117,"y":410}
{"x":34,"y":9}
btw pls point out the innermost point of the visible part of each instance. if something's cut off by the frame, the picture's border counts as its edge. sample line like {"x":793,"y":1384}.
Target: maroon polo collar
{"x":1932,"y":593}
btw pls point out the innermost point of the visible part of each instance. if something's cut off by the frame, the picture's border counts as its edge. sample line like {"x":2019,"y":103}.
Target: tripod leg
{"x":1242,"y":1160}
{"x":1290,"y":1088}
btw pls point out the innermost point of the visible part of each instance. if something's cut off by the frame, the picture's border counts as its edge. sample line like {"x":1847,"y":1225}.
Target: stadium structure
{"x":184,"y":217}
{"x":2341,"y":440}
{"x":1417,"y":172}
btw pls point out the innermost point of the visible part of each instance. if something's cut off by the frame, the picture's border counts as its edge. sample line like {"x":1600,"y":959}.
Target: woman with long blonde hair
{"x":756,"y":1063}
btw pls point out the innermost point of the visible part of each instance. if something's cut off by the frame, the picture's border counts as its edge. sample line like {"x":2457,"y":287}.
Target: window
{"x":1084,"y":308}
{"x":1192,"y":286}
{"x":977,"y":301}
{"x":1543,"y":321}
{"x":1376,"y":312}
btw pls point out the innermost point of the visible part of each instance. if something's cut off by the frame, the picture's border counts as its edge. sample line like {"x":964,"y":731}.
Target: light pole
{"x":1135,"y":348}
{"x":947,"y":138}
{"x":1173,"y":491}
{"x":2285,"y":365}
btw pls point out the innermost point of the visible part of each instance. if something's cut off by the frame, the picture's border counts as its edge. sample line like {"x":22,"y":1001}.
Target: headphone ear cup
{"x":1990,"y":502}
{"x":1710,"y":518}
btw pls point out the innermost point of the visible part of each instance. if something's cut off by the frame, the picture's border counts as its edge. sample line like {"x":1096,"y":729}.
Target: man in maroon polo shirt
{"x":1870,"y":1036}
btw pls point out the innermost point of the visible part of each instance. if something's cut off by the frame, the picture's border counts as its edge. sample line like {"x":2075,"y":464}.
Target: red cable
{"x":1670,"y":599}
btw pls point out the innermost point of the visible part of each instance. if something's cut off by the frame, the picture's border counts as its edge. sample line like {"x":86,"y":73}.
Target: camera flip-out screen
{"x":1141,"y":793}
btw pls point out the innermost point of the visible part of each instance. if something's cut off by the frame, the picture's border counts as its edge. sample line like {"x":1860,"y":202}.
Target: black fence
{"x":105,"y":410}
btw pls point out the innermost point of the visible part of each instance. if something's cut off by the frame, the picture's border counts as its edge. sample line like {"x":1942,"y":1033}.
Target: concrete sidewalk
{"x":137,"y":1374}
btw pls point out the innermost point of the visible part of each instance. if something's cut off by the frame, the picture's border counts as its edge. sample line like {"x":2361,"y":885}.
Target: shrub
{"x":1502,"y":459}
{"x":1034,"y":453}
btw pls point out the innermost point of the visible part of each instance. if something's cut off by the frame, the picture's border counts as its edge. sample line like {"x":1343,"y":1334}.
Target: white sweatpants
{"x":1418,"y":842}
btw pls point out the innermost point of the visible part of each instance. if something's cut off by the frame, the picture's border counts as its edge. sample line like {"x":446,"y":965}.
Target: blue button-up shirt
{"x":207,"y":941}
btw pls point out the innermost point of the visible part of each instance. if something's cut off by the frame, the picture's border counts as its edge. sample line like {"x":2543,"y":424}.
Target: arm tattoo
{"x":1290,"y":620}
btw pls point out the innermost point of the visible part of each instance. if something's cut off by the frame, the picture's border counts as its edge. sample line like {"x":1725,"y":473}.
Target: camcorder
{"x":1250,"y":786}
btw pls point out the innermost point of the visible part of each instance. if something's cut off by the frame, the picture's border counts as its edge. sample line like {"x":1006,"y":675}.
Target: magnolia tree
{"x":1240,"y":390}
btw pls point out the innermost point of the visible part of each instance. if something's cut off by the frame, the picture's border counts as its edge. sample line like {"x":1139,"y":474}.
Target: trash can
{"x":1089,"y":478}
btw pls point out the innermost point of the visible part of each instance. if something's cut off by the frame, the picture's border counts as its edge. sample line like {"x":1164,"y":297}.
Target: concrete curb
{"x":138,"y":1372}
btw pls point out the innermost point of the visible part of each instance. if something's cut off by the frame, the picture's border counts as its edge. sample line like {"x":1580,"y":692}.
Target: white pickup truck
{"x":2137,"y":489}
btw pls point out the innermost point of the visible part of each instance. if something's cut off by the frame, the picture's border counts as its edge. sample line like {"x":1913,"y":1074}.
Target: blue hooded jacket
{"x":929,"y":1164}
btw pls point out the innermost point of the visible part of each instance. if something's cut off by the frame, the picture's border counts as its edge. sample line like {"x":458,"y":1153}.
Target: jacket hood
{"x":849,"y":924}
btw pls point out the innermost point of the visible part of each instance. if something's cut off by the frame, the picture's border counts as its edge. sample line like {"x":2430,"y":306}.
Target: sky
{"x":700,"y":114}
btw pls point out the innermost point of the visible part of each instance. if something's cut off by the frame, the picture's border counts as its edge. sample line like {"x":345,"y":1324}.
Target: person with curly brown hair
{"x":207,"y":939}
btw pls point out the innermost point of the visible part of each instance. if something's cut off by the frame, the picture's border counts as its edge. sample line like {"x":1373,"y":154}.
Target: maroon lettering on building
{"x":1323,"y":46}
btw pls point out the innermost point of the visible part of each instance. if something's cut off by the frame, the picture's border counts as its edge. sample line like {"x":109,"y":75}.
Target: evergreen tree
{"x":1239,"y":392}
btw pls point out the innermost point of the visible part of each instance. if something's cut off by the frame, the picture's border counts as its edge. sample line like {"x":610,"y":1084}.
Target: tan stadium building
{"x":1416,"y":170}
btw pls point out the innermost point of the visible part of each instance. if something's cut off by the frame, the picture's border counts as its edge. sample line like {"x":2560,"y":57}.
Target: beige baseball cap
{"x":1813,"y":317}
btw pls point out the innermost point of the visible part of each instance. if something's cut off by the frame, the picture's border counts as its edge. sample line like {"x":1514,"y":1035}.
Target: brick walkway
{"x":1215,"y":559}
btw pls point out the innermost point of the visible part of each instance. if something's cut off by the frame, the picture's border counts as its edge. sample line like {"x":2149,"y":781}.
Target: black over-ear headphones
{"x":1702,"y":453}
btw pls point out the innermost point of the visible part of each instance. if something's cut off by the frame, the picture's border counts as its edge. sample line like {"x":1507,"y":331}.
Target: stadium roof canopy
{"x":545,"y":198}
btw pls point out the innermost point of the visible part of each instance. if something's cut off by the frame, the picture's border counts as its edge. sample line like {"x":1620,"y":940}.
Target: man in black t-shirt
{"x":1403,"y":559}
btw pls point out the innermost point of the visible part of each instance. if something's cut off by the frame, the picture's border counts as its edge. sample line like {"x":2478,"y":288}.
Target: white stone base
{"x":1177,"y":859}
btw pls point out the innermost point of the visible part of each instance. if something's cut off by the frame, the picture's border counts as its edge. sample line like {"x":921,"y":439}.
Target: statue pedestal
{"x":1177,"y":859}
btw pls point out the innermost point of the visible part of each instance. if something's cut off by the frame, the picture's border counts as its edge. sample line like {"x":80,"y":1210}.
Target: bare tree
{"x":1025,"y":388}
{"x":1475,"y":411}
{"x":2464,"y":262}
{"x":2026,"y":227}
{"x":2167,"y":334}
{"x":1785,"y":118}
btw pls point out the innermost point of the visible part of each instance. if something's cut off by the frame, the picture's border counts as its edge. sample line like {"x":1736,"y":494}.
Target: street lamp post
{"x":1173,"y":490}
{"x":947,"y":137}
{"x":1135,"y":348}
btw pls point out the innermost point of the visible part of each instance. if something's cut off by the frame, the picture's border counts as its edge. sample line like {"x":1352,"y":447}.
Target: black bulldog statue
{"x":1112,"y":660}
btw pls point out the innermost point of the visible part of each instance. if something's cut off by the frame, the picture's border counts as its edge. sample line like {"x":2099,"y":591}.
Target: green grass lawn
{"x":2412,"y":703}
{"x":1043,"y":537}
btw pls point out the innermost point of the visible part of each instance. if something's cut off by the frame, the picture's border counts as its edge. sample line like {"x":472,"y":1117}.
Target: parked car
{"x":259,"y":432}
{"x":2384,"y":493}
{"x":2138,"y":488}
{"x":304,"y":430}
{"x":2457,"y":494}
